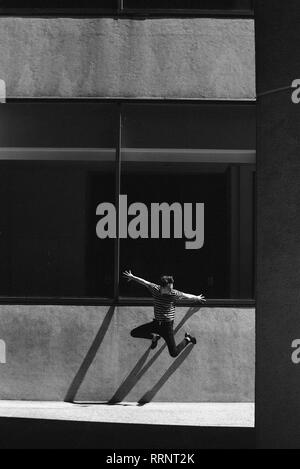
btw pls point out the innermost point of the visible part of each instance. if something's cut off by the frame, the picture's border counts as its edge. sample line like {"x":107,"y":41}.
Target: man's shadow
{"x":141,"y":367}
{"x":84,"y":367}
{"x":149,"y":395}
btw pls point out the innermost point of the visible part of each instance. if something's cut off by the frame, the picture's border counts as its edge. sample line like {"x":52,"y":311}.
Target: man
{"x":165,"y":297}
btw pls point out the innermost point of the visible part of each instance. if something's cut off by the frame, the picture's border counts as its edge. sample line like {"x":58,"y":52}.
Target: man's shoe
{"x":155,"y":339}
{"x":190,"y":338}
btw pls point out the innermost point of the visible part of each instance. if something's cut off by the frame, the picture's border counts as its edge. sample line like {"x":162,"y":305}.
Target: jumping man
{"x":165,"y":297}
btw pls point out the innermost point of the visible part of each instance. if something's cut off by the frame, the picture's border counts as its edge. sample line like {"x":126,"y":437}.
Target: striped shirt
{"x":164,"y":303}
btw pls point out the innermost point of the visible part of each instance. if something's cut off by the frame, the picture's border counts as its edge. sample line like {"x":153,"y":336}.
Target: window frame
{"x":117,"y":299}
{"x":123,"y":12}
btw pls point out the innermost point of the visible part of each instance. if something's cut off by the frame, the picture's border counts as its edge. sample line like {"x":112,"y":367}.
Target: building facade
{"x":154,"y":101}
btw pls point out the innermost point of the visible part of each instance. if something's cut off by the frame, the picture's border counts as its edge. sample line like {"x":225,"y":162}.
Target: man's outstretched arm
{"x":129,"y":276}
{"x":188,"y":296}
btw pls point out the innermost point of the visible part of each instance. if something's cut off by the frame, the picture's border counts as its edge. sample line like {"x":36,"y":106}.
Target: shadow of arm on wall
{"x":138,"y":371}
{"x":190,"y":312}
{"x":81,"y":373}
{"x":149,"y":395}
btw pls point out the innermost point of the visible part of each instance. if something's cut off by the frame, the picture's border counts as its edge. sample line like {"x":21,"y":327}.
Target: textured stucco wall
{"x":172,"y":58}
{"x":47,"y":345}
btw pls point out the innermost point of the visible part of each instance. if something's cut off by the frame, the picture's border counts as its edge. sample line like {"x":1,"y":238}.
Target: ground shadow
{"x":149,"y":395}
{"x":28,"y":433}
{"x":139,"y":370}
{"x":81,"y":373}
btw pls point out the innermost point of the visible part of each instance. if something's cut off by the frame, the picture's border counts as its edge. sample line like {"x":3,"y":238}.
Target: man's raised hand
{"x":128,"y":275}
{"x":201,"y":298}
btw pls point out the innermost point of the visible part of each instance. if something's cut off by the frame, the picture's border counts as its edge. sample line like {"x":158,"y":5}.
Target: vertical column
{"x":234,"y":232}
{"x":241,"y":245}
{"x":117,"y":202}
{"x":246,"y":231}
{"x":278,"y":224}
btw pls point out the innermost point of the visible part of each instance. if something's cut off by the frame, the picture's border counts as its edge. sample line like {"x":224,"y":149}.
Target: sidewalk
{"x":198,"y":414}
{"x":59,"y":425}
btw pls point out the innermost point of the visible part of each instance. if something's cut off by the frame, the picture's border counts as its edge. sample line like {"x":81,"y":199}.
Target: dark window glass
{"x":59,"y":4}
{"x":190,"y":4}
{"x":50,"y":156}
{"x":56,"y":125}
{"x":213,"y":126}
{"x":57,"y":165}
{"x":192,"y":154}
{"x":112,"y":5}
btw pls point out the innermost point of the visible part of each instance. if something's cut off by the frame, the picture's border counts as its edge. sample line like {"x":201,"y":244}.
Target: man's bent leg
{"x":167,"y":333}
{"x":144,"y":332}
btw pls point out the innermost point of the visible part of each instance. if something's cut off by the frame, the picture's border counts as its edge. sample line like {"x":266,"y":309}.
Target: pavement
{"x":61,"y":425}
{"x":187,"y":414}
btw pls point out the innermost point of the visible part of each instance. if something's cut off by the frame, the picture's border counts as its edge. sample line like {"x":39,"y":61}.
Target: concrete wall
{"x":278,"y":225}
{"x":172,"y":58}
{"x":52,"y":352}
{"x":87,"y":353}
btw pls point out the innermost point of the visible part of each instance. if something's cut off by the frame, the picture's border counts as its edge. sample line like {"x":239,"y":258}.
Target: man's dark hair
{"x":166,"y":280}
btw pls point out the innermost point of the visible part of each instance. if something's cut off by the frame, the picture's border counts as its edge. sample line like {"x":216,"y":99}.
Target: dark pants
{"x":165,"y":330}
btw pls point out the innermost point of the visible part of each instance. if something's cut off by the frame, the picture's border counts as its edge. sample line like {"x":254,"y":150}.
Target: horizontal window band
{"x":210,"y":303}
{"x":126,"y":12}
{"x":189,"y":155}
{"x":58,"y":154}
{"x":158,"y":155}
{"x":56,"y":301}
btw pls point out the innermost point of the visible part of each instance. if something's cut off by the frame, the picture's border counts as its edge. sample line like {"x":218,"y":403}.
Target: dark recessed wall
{"x":278,"y":225}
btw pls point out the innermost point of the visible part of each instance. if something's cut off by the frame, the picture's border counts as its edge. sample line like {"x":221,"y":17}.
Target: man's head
{"x":166,"y":282}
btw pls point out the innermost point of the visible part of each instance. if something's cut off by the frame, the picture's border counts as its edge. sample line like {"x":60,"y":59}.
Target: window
{"x":49,"y":155}
{"x":58,"y":165}
{"x":44,"y":4}
{"x":58,"y":6}
{"x":189,"y":154}
{"x":121,"y":7}
{"x":189,"y":4}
